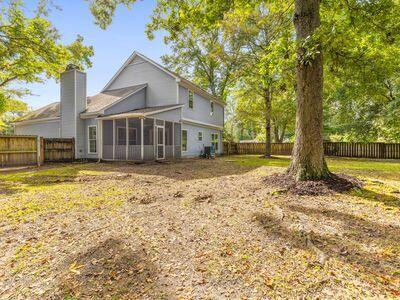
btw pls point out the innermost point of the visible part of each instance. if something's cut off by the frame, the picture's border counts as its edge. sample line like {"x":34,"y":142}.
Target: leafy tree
{"x":12,"y":109}
{"x":202,"y":52}
{"x":30,"y":50}
{"x":362,"y":66}
{"x":266,"y":55}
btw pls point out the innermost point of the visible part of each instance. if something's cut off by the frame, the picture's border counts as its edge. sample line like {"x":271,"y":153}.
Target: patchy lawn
{"x":197,"y":229}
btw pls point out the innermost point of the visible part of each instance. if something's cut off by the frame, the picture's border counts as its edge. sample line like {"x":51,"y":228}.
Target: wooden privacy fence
{"x":58,"y":150}
{"x":342,"y":149}
{"x":19,"y":150}
{"x":31,"y":150}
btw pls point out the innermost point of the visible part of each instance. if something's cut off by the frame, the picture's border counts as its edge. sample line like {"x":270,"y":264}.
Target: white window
{"x":215,"y":141}
{"x":211,"y":108}
{"x":92,"y":139}
{"x":184,"y":140}
{"x":200,"y":136}
{"x":190,"y":99}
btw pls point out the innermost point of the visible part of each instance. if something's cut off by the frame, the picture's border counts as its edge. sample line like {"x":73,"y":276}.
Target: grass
{"x":389,"y":169}
{"x":381,"y":177}
{"x":196,"y":229}
{"x":54,"y":190}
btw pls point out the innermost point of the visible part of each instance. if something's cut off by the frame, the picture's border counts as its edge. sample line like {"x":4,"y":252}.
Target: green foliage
{"x":103,"y":10}
{"x":13,"y":109}
{"x":201,"y":52}
{"x":236,"y":49}
{"x":30,"y":50}
{"x":267,"y":64}
{"x":361,"y":44}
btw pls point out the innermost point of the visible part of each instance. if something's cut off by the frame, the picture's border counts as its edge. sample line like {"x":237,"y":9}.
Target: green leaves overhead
{"x":201,"y":49}
{"x":30,"y":50}
{"x":103,"y":10}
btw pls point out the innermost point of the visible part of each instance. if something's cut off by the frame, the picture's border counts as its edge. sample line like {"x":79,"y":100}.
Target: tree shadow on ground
{"x":385,"y":199}
{"x":111,"y":269}
{"x":350,"y":247}
{"x":184,"y":169}
{"x":181,"y":170}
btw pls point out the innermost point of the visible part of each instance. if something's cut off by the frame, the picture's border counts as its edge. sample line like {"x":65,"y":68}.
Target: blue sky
{"x":111,"y":46}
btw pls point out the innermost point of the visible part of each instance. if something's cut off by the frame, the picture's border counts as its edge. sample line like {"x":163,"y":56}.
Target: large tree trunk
{"x":267,"y":98}
{"x":308,"y":161}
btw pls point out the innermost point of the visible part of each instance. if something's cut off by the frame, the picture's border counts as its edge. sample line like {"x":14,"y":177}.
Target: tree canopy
{"x":30,"y":51}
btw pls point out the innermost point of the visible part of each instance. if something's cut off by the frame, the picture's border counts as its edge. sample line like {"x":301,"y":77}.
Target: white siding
{"x":201,"y":109}
{"x":73,"y":102}
{"x":136,"y":101}
{"x":45,"y":129}
{"x":171,"y":115}
{"x":161,"y":88}
{"x":194,"y":146}
{"x":67,"y":96}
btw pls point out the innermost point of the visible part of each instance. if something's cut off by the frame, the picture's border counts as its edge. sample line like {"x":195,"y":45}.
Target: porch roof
{"x":143,"y":112}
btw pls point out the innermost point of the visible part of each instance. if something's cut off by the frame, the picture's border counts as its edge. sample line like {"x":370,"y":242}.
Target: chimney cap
{"x":72,"y":67}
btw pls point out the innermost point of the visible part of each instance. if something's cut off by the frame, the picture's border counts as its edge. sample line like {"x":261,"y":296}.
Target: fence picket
{"x":341,"y":149}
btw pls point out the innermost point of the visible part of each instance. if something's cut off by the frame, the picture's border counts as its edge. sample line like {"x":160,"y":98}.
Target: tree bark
{"x":276,"y":133}
{"x":267,"y":98}
{"x":308,"y":161}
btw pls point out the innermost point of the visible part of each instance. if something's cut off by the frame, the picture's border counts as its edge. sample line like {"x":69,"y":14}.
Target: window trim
{"x":190,"y":92}
{"x":88,"y":139}
{"x":202,"y":136}
{"x":182,"y":130}
{"x":212,"y":108}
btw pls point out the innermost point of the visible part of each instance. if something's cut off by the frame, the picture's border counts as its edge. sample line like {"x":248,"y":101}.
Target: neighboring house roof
{"x":108,"y":98}
{"x":95,"y":104}
{"x":50,"y":111}
{"x":171,"y":73}
{"x":143,"y":111}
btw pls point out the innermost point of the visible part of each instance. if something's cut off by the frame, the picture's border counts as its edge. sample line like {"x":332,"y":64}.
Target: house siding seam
{"x":80,"y":106}
{"x":194,"y":146}
{"x":161,"y":87}
{"x":201,"y":109}
{"x":135,"y":101}
{"x":49,"y":129}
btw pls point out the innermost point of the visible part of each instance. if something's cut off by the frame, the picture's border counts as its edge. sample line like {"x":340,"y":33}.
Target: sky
{"x":111,"y":46}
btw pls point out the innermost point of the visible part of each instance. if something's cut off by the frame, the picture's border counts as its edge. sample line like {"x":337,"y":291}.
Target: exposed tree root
{"x":336,"y":183}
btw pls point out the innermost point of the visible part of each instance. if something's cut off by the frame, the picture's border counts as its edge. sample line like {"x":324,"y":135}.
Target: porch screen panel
{"x":169,"y":140}
{"x":120,"y":139}
{"x":108,"y":139}
{"x":148,"y":139}
{"x":135,"y":131}
{"x":177,"y":140}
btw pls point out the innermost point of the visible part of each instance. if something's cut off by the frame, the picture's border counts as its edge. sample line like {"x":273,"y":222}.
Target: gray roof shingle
{"x":93,"y":104}
{"x":106,"y":98}
{"x":46,"y":112}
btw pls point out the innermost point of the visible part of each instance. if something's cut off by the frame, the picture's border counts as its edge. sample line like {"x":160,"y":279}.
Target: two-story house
{"x":145,"y":112}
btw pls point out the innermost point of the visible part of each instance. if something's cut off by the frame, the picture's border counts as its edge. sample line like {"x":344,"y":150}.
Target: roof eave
{"x":139,"y":115}
{"x":34,"y":121}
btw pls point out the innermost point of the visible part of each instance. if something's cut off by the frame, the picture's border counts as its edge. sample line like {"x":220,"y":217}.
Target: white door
{"x":160,"y":142}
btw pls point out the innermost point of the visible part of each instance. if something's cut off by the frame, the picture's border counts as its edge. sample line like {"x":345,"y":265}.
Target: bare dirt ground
{"x":194,"y":229}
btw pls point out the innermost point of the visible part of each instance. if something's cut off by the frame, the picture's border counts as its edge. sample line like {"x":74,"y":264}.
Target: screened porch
{"x":140,"y":139}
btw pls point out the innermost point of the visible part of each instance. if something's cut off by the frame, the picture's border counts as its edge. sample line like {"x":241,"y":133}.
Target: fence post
{"x":41,"y":150}
{"x":38,"y":150}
